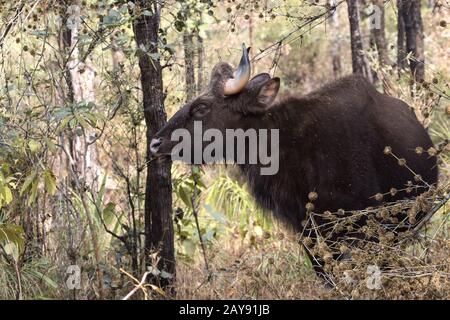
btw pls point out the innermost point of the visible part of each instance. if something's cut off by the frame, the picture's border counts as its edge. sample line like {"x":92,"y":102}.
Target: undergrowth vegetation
{"x":57,"y":223}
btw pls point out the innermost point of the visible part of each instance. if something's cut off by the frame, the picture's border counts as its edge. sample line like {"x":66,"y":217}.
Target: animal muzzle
{"x":154,"y":146}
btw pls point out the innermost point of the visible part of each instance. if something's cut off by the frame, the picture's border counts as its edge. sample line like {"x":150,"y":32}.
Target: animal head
{"x":230,"y":101}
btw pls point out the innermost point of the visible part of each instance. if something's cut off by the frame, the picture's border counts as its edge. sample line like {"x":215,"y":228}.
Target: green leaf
{"x":64,"y":122}
{"x":50,"y":182}
{"x":154,"y":56}
{"x":82,"y":122}
{"x":109,"y":212}
{"x":34,"y":146}
{"x":92,"y":118}
{"x":147,"y":13}
{"x":189,"y":247}
{"x":51,"y":146}
{"x":12,"y":249}
{"x":12,"y":234}
{"x":165,"y":275}
{"x":33,"y":192}
{"x":41,"y":33}
{"x":31,"y":177}
{"x":184,"y":196}
{"x":47,"y":280}
{"x":7,"y":194}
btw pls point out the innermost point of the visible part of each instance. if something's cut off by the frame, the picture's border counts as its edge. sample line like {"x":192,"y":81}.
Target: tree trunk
{"x":412,"y":19}
{"x":379,"y":33}
{"x":401,"y":49}
{"x":335,"y":42}
{"x":188,"y":45}
{"x":359,"y":64}
{"x":116,"y":54}
{"x":200,"y":58}
{"x":80,"y":85}
{"x":250,"y":30}
{"x":431,"y":4}
{"x":158,"y":194}
{"x":82,"y":76}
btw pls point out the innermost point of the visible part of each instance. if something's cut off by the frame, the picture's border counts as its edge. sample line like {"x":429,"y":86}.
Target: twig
{"x":430,"y":214}
{"x":140,"y":285}
{"x":194,"y":211}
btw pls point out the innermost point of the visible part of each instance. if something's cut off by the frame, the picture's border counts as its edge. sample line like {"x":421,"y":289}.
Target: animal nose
{"x":154,"y":145}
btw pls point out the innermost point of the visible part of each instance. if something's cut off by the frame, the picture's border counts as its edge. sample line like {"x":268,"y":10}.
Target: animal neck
{"x":280,"y":131}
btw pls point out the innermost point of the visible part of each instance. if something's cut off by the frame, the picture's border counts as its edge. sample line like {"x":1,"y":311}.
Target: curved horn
{"x":241,"y":75}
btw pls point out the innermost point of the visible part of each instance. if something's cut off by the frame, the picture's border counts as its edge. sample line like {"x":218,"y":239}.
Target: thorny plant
{"x":379,"y":251}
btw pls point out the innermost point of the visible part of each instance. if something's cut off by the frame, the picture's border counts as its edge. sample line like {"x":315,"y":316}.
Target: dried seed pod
{"x":312,"y":196}
{"x":379,"y":197}
{"x":387,"y":150}
{"x":343,"y":249}
{"x":401,"y":162}
{"x":328,"y":257}
{"x":309,"y":206}
{"x":307,"y":241}
{"x":384,"y":213}
{"x":393,"y":191}
{"x":328,"y":215}
{"x":432,"y":152}
{"x":412,"y":212}
{"x":390,"y":236}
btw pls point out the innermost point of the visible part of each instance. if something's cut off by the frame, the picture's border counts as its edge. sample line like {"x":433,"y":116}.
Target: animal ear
{"x":268,"y":92}
{"x":261,"y":91}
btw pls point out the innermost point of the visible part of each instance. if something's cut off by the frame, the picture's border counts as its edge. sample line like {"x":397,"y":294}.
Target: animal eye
{"x":200,"y":110}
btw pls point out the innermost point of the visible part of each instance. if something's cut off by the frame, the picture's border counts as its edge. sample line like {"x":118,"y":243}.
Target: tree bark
{"x":116,"y":54}
{"x":200,"y":58}
{"x":359,"y":64}
{"x":80,"y":85}
{"x":188,"y":45}
{"x":401,"y":48}
{"x":412,"y":20}
{"x":250,"y":30}
{"x":158,"y":194}
{"x":335,"y":42}
{"x":379,"y":33}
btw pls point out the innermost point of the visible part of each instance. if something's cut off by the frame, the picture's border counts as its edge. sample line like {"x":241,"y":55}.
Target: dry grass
{"x":275,"y":267}
{"x":272,"y":267}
